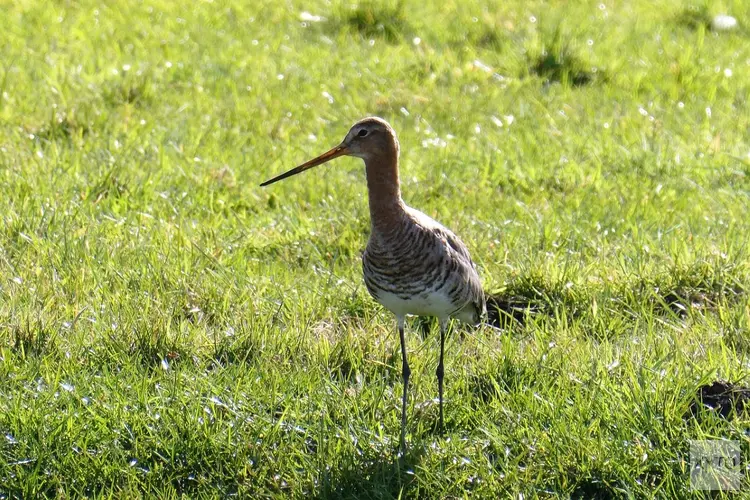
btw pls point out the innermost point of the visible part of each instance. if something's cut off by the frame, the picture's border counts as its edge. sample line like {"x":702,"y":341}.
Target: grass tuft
{"x":532,"y":294}
{"x":559,"y":61}
{"x":129,"y":89}
{"x":236,"y":347}
{"x":499,"y":379}
{"x":700,"y":287}
{"x":694,"y":17}
{"x":62,"y":126}
{"x":31,"y":339}
{"x":379,"y":20}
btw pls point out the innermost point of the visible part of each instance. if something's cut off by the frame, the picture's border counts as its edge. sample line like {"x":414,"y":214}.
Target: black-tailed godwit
{"x":412,"y":264}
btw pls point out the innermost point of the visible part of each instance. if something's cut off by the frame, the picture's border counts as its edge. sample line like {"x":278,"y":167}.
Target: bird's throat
{"x":384,"y":193}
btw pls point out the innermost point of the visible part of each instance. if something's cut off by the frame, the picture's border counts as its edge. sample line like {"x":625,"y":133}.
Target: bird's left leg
{"x":440,"y":368}
{"x":405,"y":372}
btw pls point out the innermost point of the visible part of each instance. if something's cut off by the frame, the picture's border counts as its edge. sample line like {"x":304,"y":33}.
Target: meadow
{"x":169,"y":328}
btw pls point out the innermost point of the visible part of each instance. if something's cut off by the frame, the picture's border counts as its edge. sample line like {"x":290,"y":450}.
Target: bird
{"x":412,"y":265}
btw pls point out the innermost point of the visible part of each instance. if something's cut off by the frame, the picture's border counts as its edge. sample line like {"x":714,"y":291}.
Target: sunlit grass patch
{"x":169,"y":328}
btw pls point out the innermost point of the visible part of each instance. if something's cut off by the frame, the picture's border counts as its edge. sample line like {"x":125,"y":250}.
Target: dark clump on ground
{"x":372,"y":19}
{"x":694,"y":17}
{"x":723,"y":398}
{"x":560,"y":62}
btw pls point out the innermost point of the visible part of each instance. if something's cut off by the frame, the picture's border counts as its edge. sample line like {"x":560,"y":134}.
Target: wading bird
{"x":412,"y":264}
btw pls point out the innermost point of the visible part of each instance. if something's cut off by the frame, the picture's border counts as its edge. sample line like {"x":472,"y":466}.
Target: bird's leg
{"x":405,"y":372}
{"x":440,"y":369}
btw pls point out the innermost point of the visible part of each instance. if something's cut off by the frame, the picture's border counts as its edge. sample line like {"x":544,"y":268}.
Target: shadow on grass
{"x":379,"y":478}
{"x":505,"y":311}
{"x":530,"y":295}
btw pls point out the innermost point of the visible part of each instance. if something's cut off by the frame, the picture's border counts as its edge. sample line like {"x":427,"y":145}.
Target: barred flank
{"x":421,"y":258}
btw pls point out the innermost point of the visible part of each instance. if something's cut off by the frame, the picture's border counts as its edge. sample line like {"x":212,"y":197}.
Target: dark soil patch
{"x":723,"y":398}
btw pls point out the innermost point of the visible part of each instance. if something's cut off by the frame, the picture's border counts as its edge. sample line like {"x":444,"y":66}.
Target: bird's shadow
{"x":385,"y":476}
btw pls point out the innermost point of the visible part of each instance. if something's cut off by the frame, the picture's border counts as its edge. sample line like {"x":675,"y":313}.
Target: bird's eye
{"x":362,"y":133}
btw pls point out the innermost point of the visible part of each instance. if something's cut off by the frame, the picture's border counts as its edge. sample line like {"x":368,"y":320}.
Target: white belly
{"x":429,"y":304}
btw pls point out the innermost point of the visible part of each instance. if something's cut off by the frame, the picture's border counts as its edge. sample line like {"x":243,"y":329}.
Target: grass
{"x":168,"y":328}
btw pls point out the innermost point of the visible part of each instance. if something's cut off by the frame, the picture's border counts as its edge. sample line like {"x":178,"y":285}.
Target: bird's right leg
{"x":441,"y":369}
{"x":405,"y":372}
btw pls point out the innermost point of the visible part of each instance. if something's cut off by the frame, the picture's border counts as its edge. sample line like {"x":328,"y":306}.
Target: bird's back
{"x":420,"y":267}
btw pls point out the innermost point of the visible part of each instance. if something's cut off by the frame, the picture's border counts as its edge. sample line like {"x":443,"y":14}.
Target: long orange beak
{"x":339,"y":150}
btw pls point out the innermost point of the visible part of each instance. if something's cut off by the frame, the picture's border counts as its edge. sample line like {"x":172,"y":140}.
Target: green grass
{"x":167,"y":327}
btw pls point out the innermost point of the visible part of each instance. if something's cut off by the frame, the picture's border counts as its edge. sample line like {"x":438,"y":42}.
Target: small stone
{"x":723,"y":22}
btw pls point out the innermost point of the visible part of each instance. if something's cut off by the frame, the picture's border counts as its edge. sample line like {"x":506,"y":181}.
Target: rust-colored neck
{"x":386,"y":206}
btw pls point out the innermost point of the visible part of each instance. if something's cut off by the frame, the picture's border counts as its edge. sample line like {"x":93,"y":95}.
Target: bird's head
{"x":366,"y":139}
